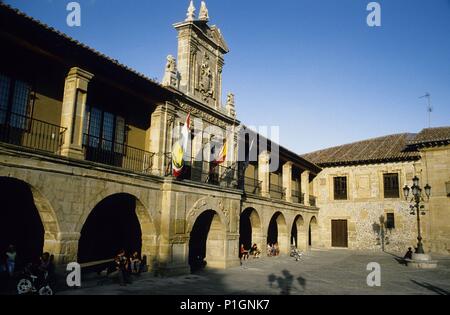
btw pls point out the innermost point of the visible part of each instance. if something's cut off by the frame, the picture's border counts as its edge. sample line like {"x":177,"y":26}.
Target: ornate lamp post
{"x":417,"y":198}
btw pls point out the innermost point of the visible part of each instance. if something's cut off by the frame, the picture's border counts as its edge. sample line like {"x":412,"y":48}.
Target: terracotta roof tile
{"x":431,"y":136}
{"x":378,"y":150}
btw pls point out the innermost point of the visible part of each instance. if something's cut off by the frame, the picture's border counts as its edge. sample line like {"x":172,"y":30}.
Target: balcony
{"x":313,"y":201}
{"x":298,"y":197}
{"x":204,"y":172}
{"x":30,"y":133}
{"x":277,"y":192}
{"x":117,"y":154}
{"x":252,"y":186}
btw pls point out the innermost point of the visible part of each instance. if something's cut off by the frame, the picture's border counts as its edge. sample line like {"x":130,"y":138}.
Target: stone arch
{"x":147,"y":228}
{"x":207,"y":241}
{"x":277,"y":232}
{"x":313,"y":232}
{"x":45,"y":212}
{"x":205,"y":204}
{"x":298,"y":233}
{"x":250,"y":229}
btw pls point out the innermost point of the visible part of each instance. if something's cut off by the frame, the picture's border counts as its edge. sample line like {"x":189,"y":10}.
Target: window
{"x":14,"y":102}
{"x":390,"y":221}
{"x":447,"y":184}
{"x":104,"y":130}
{"x":391,"y":186}
{"x":340,"y":188}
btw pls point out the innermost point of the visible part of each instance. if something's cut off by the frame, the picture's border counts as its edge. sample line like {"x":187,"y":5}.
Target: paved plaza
{"x":320,"y":272}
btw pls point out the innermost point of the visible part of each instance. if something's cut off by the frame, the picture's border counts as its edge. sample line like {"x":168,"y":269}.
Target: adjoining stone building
{"x":85,"y":156}
{"x":360,"y":192}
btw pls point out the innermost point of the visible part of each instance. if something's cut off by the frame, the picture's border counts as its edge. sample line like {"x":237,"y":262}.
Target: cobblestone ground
{"x":320,"y":272}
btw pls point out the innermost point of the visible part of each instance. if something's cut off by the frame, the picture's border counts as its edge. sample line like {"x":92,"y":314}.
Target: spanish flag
{"x":222,"y":156}
{"x":180,"y":148}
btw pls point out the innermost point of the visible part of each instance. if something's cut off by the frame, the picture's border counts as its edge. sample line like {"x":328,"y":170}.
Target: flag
{"x":222,"y":155}
{"x":180,"y":148}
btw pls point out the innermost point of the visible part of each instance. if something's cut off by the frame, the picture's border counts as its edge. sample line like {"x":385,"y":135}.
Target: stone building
{"x":360,"y":192}
{"x":85,"y":156}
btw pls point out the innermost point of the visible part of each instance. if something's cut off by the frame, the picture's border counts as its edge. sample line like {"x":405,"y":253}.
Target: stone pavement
{"x":320,"y":272}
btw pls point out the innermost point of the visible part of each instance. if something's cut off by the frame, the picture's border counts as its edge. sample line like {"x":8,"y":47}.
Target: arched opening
{"x":297,"y":233}
{"x":207,"y":242}
{"x":20,"y":223}
{"x":112,"y":225}
{"x":278,"y":233}
{"x":250,"y":229}
{"x":313,"y":234}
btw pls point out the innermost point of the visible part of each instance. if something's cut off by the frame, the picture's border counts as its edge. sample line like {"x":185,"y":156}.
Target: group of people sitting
{"x":245,"y":254}
{"x":273,"y":250}
{"x":127,"y":266}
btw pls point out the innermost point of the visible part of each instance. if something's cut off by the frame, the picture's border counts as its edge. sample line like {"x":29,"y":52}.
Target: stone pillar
{"x":287,"y":180}
{"x":64,"y":247}
{"x":73,"y":112}
{"x":264,"y":173}
{"x":305,"y":187}
{"x":159,"y":135}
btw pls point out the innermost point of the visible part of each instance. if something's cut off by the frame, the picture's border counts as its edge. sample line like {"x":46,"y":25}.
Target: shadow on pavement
{"x":285,"y":282}
{"x":431,"y":288}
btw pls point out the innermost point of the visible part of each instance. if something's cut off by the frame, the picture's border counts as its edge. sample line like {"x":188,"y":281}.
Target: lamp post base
{"x":422,"y":261}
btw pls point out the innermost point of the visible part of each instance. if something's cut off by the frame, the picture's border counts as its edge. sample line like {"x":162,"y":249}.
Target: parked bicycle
{"x":30,"y":283}
{"x":295,"y":253}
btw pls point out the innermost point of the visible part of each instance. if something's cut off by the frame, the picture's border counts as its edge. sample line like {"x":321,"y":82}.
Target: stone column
{"x":64,"y":247}
{"x":287,"y":180}
{"x":264,"y":173}
{"x":305,"y":187}
{"x":158,"y":136}
{"x":73,"y":112}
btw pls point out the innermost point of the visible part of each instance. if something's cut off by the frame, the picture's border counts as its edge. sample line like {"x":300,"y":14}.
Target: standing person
{"x":11,"y":260}
{"x":122,"y":265}
{"x":135,"y":263}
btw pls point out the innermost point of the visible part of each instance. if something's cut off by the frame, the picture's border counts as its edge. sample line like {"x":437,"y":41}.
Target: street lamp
{"x":417,"y":198}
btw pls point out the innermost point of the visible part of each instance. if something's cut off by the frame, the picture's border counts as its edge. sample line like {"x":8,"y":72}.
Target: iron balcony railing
{"x":277,"y":192}
{"x":298,"y":197}
{"x":312,"y":201}
{"x":30,"y":133}
{"x":204,"y":172}
{"x":252,"y":186}
{"x":117,"y":154}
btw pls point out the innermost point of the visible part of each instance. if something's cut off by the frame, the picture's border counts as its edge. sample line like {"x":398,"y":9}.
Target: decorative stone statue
{"x":171,"y":74}
{"x":206,"y":80}
{"x":230,"y":107}
{"x":191,"y":12}
{"x":204,"y":15}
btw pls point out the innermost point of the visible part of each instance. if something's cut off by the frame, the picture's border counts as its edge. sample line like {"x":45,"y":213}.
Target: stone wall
{"x":365,"y":207}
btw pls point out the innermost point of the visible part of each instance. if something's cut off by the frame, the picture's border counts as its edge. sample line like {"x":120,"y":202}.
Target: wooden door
{"x":339,"y":233}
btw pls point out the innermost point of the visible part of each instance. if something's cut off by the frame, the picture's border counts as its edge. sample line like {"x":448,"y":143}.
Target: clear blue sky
{"x":313,"y":67}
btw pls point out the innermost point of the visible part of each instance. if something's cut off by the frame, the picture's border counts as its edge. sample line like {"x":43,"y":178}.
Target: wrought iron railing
{"x":312,"y":201}
{"x":117,"y":154}
{"x":252,"y":186}
{"x":30,"y":133}
{"x":204,"y":172}
{"x":277,"y":192}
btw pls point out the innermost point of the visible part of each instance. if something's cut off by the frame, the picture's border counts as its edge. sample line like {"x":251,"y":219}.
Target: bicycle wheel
{"x":24,"y":286}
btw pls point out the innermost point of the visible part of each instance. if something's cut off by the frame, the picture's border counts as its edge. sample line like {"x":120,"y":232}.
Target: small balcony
{"x":312,"y":201}
{"x":30,"y":133}
{"x":252,"y":186}
{"x":298,"y":197}
{"x":117,"y":154}
{"x":204,"y":172}
{"x":277,"y":192}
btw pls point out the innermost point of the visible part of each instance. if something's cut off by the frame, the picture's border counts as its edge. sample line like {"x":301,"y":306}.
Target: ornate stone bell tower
{"x":201,"y":50}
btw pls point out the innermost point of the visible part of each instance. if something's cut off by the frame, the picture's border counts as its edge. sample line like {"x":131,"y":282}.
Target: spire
{"x":204,"y":15}
{"x":191,"y":12}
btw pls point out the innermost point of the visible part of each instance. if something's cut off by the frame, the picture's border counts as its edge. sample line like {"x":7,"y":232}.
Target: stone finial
{"x":171,"y":74}
{"x":190,"y":12}
{"x":204,"y":15}
{"x":230,"y":107}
